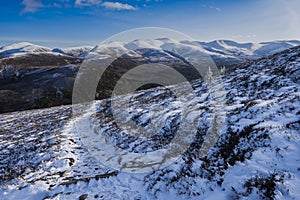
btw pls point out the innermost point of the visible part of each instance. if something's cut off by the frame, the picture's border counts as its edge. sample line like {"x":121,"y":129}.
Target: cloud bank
{"x":31,"y":6}
{"x":118,"y":6}
{"x":107,"y":4}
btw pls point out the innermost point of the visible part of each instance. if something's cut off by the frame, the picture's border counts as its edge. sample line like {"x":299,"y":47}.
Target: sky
{"x":79,"y":22}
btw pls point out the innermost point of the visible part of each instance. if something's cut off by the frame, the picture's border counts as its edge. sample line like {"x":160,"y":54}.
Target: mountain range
{"x":256,"y":155}
{"x":218,"y":48}
{"x":33,"y":76}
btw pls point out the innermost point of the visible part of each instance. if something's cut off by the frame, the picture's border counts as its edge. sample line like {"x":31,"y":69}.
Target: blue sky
{"x":72,"y":22}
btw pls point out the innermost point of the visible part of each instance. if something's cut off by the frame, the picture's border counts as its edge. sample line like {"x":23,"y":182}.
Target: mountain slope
{"x":22,"y":48}
{"x":255,"y":157}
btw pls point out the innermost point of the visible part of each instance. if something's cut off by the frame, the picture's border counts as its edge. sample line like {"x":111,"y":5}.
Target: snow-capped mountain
{"x":217,"y":47}
{"x":220,"y":50}
{"x":255,"y":157}
{"x":25,"y":48}
{"x":22,"y":48}
{"x":223,"y":52}
{"x":248,"y":50}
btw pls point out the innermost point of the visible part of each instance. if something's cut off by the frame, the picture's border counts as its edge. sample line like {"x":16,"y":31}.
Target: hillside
{"x":256,"y":156}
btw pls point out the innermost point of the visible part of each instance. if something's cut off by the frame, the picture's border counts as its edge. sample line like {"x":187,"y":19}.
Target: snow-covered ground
{"x":43,"y":156}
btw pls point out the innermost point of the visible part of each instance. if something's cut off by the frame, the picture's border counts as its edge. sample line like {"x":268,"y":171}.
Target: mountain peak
{"x":17,"y":45}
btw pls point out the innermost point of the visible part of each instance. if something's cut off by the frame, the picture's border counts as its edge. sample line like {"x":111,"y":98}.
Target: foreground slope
{"x":256,"y":156}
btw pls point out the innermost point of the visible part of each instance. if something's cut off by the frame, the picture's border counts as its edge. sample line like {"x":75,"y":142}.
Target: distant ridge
{"x":216,"y":48}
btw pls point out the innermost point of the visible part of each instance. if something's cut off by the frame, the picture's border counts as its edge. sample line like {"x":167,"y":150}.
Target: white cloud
{"x":87,"y":2}
{"x":31,"y":5}
{"x":108,"y":5}
{"x":118,"y":6}
{"x":212,"y":7}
